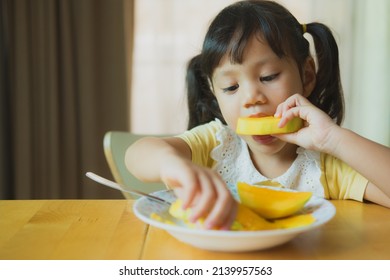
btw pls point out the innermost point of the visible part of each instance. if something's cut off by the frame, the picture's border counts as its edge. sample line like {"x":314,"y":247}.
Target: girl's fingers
{"x":231,"y":217}
{"x":205,"y":198}
{"x":222,"y":217}
{"x":206,"y":193}
{"x":294,"y":106}
{"x":221,"y":210}
{"x":185,"y":184}
{"x":190,"y":190}
{"x":214,"y":201}
{"x":293,"y":101}
{"x":300,"y":112}
{"x":286,"y":105}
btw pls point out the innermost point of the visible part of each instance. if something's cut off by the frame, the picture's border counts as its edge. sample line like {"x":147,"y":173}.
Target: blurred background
{"x":72,"y":70}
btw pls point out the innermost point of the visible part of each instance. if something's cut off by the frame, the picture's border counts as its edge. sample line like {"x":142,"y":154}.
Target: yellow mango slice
{"x":266,"y":126}
{"x":294,"y":221}
{"x":157,"y":217}
{"x":246,"y":219}
{"x":271,"y":203}
{"x":177,"y":211}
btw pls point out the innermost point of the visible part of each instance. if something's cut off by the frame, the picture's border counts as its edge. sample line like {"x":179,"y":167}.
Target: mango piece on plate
{"x":271,"y":203}
{"x":246,"y":219}
{"x":294,"y":221}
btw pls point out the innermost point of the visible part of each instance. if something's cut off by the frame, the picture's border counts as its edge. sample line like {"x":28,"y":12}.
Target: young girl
{"x":255,"y":62}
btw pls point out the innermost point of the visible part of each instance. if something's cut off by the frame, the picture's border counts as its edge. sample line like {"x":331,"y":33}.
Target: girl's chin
{"x":264,"y":139}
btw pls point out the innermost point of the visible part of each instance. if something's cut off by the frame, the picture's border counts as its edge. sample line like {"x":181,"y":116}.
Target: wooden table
{"x":107,"y":229}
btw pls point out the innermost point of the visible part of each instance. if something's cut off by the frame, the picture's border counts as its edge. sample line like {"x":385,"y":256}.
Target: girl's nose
{"x":254,"y":96}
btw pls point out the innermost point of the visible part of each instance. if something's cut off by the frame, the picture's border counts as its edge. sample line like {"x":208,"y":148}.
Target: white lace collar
{"x":234,"y":164}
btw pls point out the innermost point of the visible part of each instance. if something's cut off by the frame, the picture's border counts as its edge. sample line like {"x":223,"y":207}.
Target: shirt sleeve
{"x":202,"y":141}
{"x":340,"y":180}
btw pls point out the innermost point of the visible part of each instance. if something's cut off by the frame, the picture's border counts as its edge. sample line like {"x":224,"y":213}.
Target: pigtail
{"x":328,"y":93}
{"x":202,"y":104}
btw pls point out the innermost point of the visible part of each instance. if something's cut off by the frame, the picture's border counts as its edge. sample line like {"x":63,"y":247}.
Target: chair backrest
{"x":115,"y":145}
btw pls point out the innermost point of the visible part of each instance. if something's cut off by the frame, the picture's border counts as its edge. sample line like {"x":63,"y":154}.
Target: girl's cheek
{"x":232,"y":121}
{"x":230,"y":109}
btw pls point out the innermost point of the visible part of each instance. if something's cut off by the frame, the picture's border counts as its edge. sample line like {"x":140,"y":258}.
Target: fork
{"x":119,"y":187}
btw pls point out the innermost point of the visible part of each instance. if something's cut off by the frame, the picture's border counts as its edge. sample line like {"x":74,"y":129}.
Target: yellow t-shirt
{"x":328,"y":176}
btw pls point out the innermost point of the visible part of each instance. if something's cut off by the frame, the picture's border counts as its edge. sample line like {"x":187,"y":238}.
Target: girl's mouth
{"x":264,"y":139}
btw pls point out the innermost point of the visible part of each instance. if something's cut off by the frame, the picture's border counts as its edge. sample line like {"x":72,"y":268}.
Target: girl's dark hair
{"x":230,"y":32}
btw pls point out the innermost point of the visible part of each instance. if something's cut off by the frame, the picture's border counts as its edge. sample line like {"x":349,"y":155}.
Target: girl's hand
{"x":318,"y":126}
{"x":203,"y":190}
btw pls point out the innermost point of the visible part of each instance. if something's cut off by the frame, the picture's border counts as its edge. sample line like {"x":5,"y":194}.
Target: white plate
{"x":229,"y":241}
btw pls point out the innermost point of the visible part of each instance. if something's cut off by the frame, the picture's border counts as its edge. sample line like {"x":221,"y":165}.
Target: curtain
{"x":63,"y":85}
{"x":369,"y":98}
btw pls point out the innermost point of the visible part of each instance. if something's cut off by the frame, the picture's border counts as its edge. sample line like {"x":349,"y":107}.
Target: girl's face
{"x":256,"y":87}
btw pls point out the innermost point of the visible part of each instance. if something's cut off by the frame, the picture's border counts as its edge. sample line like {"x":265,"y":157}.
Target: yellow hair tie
{"x":304,"y":28}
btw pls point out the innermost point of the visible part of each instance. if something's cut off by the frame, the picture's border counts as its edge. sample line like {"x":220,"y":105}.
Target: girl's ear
{"x":309,"y":76}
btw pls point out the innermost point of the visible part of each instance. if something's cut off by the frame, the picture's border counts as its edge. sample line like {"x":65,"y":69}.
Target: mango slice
{"x":294,"y":221}
{"x":271,"y":203}
{"x":177,"y":211}
{"x":246,"y":219}
{"x":266,"y":126}
{"x":157,"y":217}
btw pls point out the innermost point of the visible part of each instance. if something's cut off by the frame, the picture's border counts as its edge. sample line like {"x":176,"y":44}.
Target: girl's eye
{"x":269,"y":78}
{"x":230,"y":89}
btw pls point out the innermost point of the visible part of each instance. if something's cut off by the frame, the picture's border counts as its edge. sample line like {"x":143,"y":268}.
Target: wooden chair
{"x":115,"y":144}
